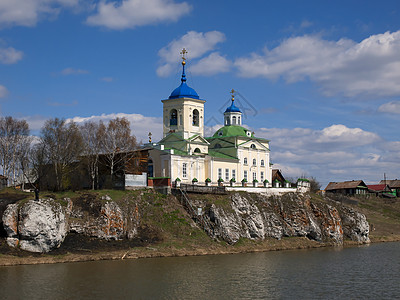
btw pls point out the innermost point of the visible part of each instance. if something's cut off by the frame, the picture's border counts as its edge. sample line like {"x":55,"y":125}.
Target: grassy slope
{"x":167,"y":230}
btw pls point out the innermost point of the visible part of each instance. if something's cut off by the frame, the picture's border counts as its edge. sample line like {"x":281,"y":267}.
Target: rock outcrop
{"x":36,"y":226}
{"x":258,"y":217}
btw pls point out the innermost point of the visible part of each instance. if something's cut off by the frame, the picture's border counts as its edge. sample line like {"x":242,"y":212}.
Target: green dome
{"x":233,"y":130}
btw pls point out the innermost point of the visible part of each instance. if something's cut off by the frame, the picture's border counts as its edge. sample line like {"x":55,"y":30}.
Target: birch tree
{"x":91,"y":136}
{"x":14,"y":138}
{"x":62,"y":144}
{"x":116,"y":142}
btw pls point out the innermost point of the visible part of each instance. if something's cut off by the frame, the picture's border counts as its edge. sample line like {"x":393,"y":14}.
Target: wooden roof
{"x":391,"y":183}
{"x":276,"y":174}
{"x":344,"y":185}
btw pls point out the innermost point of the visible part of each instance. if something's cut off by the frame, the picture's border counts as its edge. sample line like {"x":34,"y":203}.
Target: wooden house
{"x":354,"y":187}
{"x":394,"y":185}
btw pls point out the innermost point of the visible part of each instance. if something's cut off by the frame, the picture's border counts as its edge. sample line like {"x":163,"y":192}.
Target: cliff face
{"x":40,"y":226}
{"x":254,"y":216}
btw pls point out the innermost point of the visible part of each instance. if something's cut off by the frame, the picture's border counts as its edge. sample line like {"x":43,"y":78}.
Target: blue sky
{"x":320,"y":79}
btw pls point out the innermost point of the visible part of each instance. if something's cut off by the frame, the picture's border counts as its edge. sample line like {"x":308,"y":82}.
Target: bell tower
{"x":183,"y":111}
{"x":233,"y":115}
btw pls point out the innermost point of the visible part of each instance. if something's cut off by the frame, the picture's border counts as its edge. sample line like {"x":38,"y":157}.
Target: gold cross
{"x":183,"y":52}
{"x":233,"y":94}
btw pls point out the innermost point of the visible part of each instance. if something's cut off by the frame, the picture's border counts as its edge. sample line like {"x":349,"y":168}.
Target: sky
{"x":319,"y":79}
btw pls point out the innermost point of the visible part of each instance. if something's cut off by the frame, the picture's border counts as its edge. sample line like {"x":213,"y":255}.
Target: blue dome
{"x":232,"y":108}
{"x":183,"y":90}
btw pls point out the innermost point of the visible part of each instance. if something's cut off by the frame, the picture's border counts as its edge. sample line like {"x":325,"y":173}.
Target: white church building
{"x":184,"y":154}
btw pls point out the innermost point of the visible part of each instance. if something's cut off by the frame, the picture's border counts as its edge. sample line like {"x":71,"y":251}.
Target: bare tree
{"x":14,"y":138}
{"x":62,"y":144}
{"x":117,"y":142}
{"x":90,"y":132}
{"x":315,"y":186}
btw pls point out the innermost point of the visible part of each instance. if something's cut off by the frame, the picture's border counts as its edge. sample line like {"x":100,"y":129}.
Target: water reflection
{"x":351,"y":273}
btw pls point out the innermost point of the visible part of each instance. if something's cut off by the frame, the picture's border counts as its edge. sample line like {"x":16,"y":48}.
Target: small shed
{"x":394,"y":185}
{"x":354,"y":187}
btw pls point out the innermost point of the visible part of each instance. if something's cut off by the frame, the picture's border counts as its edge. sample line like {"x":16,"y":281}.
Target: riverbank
{"x":174,"y":235}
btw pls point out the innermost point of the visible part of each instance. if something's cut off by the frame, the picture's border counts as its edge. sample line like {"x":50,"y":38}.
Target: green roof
{"x":232,"y":130}
{"x":220,"y":155}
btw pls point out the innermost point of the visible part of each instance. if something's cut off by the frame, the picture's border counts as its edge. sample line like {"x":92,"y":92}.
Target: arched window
{"x":262,"y":163}
{"x":227,"y":121}
{"x":233,"y":120}
{"x":238,"y":120}
{"x":173,"y":117}
{"x":254,"y":162}
{"x":245,"y":161}
{"x":217,"y":146}
{"x":252,"y":146}
{"x":195,"y":118}
{"x":197,"y":150}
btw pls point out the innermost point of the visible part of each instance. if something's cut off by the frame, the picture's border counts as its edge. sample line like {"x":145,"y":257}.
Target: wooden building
{"x":394,"y":185}
{"x":354,"y":187}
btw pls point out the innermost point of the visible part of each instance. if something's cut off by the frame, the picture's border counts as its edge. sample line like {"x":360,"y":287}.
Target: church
{"x":185,"y":155}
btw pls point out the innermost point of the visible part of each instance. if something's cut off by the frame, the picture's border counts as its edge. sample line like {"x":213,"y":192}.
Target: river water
{"x":365,"y":272}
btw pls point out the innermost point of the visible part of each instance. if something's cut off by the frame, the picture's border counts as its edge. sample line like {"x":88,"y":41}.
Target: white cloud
{"x":3,"y":91}
{"x":10,"y":55}
{"x":212,"y":64}
{"x":335,"y":153}
{"x":390,"y":107}
{"x":140,"y":125}
{"x":73,"y":71}
{"x":134,"y":13}
{"x":197,"y":44}
{"x":28,"y":12}
{"x":107,"y":79}
{"x":371,"y":67}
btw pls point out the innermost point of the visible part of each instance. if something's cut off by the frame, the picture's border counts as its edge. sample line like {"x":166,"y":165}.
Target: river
{"x":365,"y":272}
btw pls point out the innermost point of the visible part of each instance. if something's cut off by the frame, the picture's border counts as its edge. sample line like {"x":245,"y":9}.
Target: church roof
{"x":232,"y":130}
{"x":232,"y":108}
{"x":183,"y":91}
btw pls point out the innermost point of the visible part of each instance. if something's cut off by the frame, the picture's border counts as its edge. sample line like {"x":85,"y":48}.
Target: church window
{"x":184,"y":170}
{"x":180,"y":120}
{"x":262,"y":163}
{"x":150,"y":170}
{"x":245,"y":161}
{"x":227,"y":121}
{"x":195,"y":118}
{"x":254,"y":162}
{"x":219,"y":173}
{"x":220,"y":133}
{"x":234,"y":174}
{"x":262,"y":176}
{"x":238,"y":120}
{"x":217,"y":146}
{"x":245,"y":175}
{"x":174,"y":117}
{"x":254,"y":176}
{"x":233,"y":120}
{"x":226,"y":174}
{"x":197,"y":150}
{"x":252,"y":146}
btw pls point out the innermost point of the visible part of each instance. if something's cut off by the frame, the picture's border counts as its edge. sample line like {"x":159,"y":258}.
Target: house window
{"x":254,"y":162}
{"x":245,"y":161}
{"x":262,"y":163}
{"x":254,"y":176}
{"x":233,"y":120}
{"x":234,"y":174}
{"x":219,"y":173}
{"x":262,"y":176}
{"x":252,"y":146}
{"x":226,"y":174}
{"x":245,"y":175}
{"x":195,"y":118}
{"x":174,"y":117}
{"x":184,"y":170}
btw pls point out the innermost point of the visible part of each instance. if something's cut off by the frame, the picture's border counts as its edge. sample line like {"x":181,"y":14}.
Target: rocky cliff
{"x":40,"y":226}
{"x":256,"y":216}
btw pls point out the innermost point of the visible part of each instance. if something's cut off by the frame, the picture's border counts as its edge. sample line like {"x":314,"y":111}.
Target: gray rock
{"x":37,"y":226}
